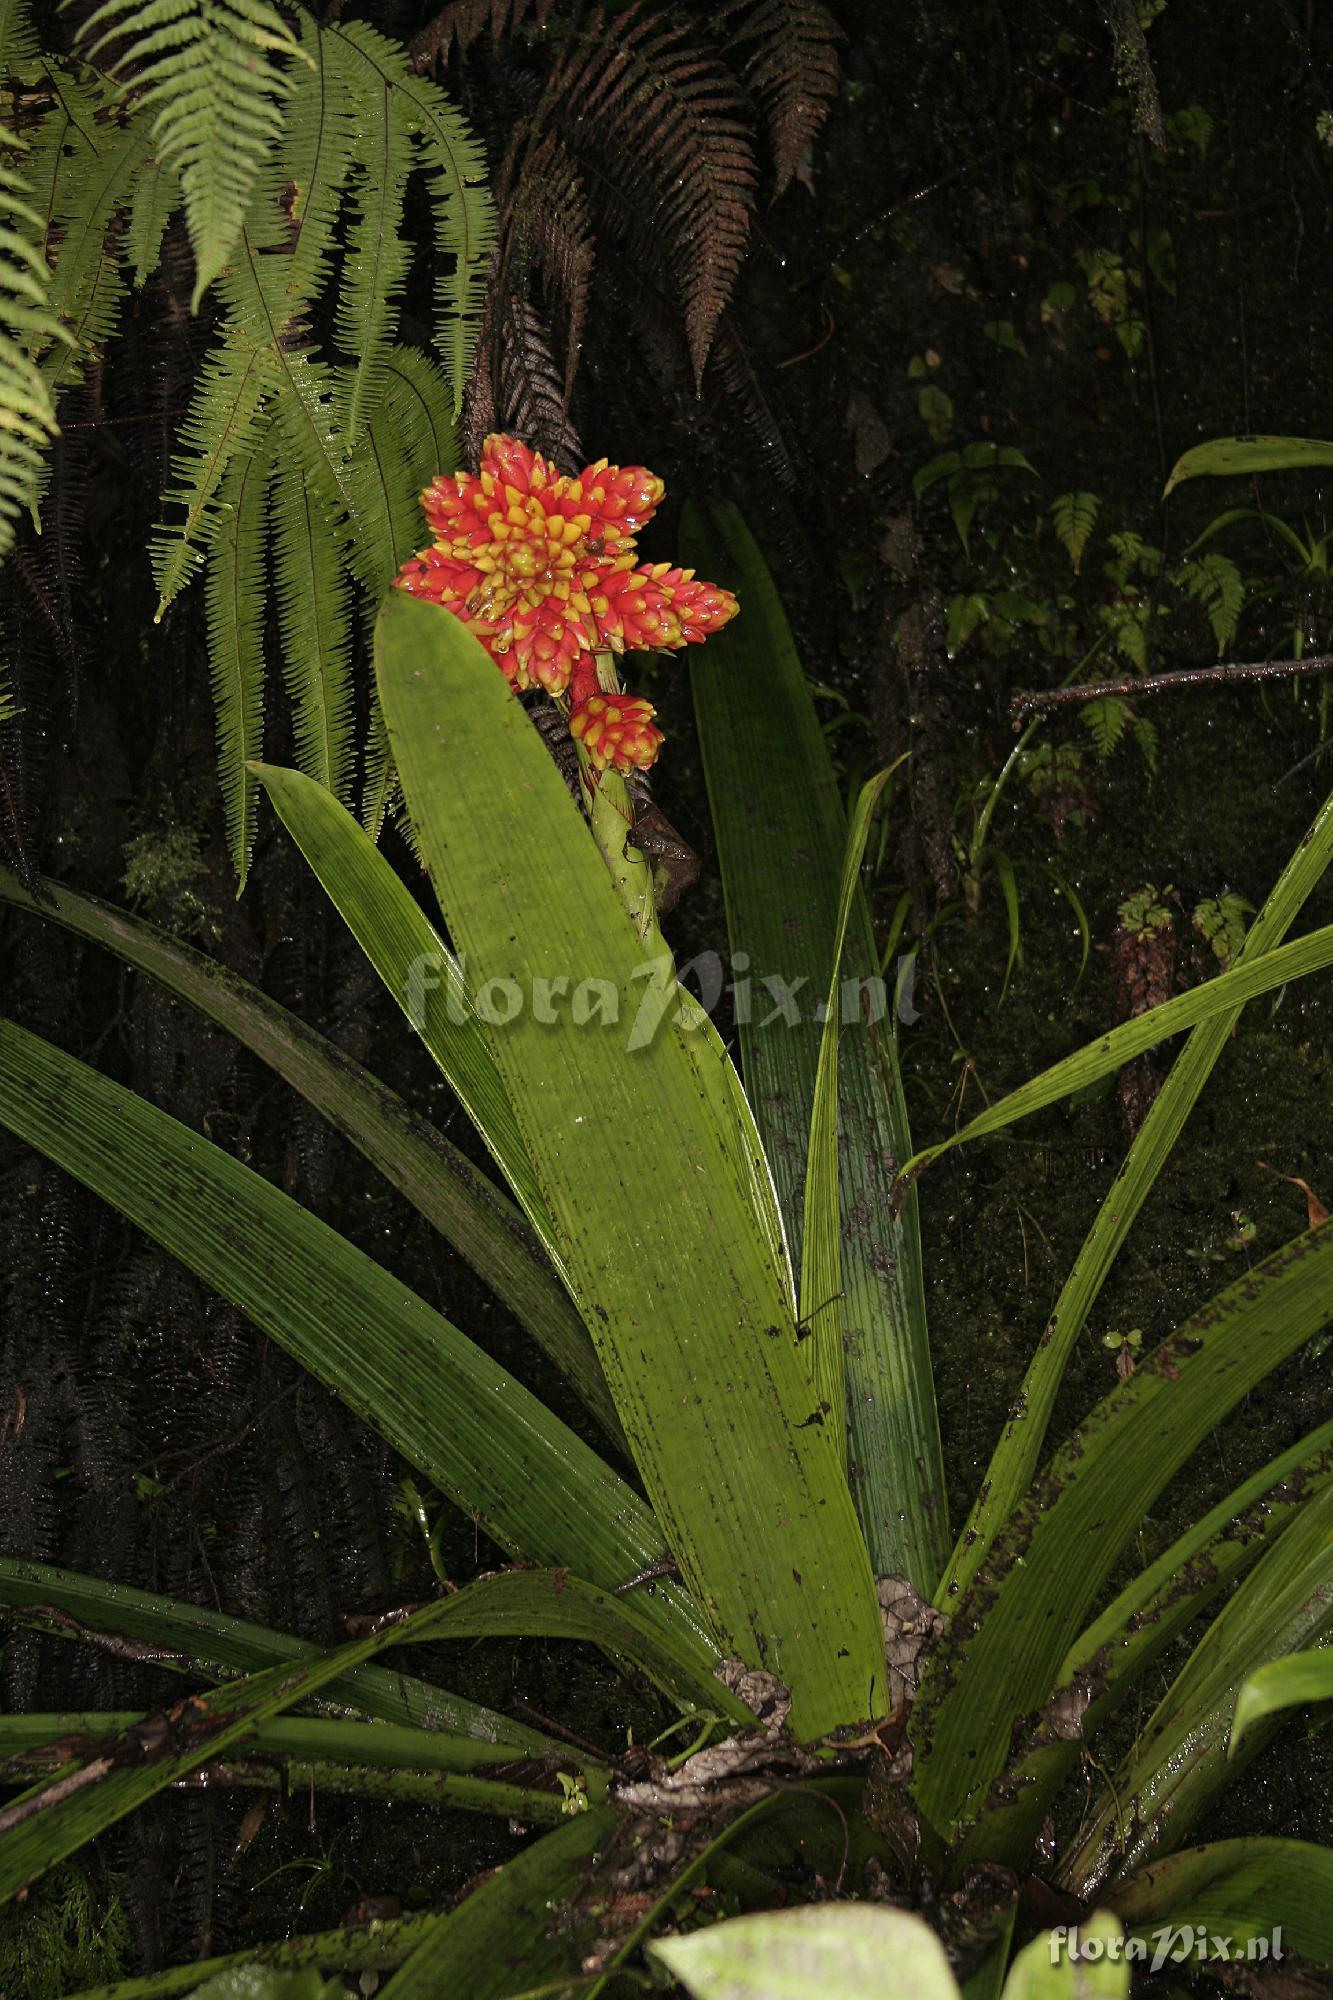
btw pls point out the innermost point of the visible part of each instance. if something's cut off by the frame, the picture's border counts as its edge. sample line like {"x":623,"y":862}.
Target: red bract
{"x":541,"y":566}
{"x":617,"y":730}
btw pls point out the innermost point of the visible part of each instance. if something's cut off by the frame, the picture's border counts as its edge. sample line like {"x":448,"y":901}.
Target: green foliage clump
{"x":60,"y":1937}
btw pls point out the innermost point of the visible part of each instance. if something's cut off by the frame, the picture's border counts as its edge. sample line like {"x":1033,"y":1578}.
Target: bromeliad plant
{"x":747,"y":1326}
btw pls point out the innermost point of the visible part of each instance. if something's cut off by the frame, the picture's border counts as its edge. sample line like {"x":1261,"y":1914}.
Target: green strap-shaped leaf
{"x":668,"y":1260}
{"x":1015,"y":1457}
{"x":1289,"y":1683}
{"x":1241,"y":457}
{"x":1240,"y":1890}
{"x":1179,"y":1761}
{"x":1001,"y":1653}
{"x":59,"y":1815}
{"x":436,"y":1178}
{"x":445,"y":1405}
{"x":782,"y":836}
{"x":821,"y":1239}
{"x":192,"y":1637}
{"x":370,"y":1947}
{"x":1225,"y":994}
{"x":515,"y":1931}
{"x":411,"y":1766}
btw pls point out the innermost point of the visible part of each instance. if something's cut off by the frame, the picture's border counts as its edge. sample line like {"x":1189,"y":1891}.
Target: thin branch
{"x":1028,"y":700}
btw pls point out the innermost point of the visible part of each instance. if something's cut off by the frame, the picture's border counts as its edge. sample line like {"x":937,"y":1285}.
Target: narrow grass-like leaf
{"x":1015,"y":1457}
{"x":234,"y":599}
{"x":677,"y":1281}
{"x":1233,"y":457}
{"x":502,"y":1939}
{"x":484,"y":1441}
{"x":1179,"y":1760}
{"x":1112,"y":1655}
{"x":1002,"y":1652}
{"x":1289,"y":1683}
{"x":1224,"y":994}
{"x":782,"y":835}
{"x":193,"y":1638}
{"x":435,"y":1177}
{"x":1240,"y":1890}
{"x":821,"y":1240}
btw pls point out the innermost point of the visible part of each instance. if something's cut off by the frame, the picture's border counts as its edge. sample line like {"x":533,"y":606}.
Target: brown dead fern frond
{"x":464,"y":21}
{"x":547,"y":229}
{"x":655,"y":111}
{"x":531,"y":401}
{"x":789,"y":52}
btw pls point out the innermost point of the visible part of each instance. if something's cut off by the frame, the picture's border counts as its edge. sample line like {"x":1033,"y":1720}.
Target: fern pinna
{"x":291,"y":178}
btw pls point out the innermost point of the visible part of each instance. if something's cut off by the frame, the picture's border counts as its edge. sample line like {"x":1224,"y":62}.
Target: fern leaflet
{"x":315,"y":623}
{"x":27,"y":410}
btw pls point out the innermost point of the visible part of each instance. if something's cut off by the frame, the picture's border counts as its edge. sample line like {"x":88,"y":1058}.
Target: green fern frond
{"x":220,"y":428}
{"x":385,"y":513}
{"x":420,"y":407}
{"x":380,"y":790}
{"x":464,"y":218}
{"x":85,"y":171}
{"x":1214,"y":581}
{"x":1075,"y":515}
{"x":1106,"y":721}
{"x":234,"y":604}
{"x":314,"y":617}
{"x":27,"y":409}
{"x":378,"y":255}
{"x":205,"y":71}
{"x":316,"y":156}
{"x":157,"y":196}
{"x":19,"y":46}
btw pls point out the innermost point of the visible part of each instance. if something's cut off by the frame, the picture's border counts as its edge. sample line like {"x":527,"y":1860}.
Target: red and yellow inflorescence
{"x":541,"y":567}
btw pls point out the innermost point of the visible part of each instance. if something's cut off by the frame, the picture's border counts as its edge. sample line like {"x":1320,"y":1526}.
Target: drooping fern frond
{"x":205,"y":72}
{"x":314,"y":617}
{"x":234,"y":601}
{"x":532,"y":402}
{"x":27,"y":408}
{"x":85,"y":168}
{"x":790,"y":50}
{"x":156,"y":198}
{"x":664,"y":117}
{"x":463,"y":220}
{"x":378,"y":254}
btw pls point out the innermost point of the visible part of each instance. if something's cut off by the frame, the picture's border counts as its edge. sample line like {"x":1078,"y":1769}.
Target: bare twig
{"x":1233,"y":673}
